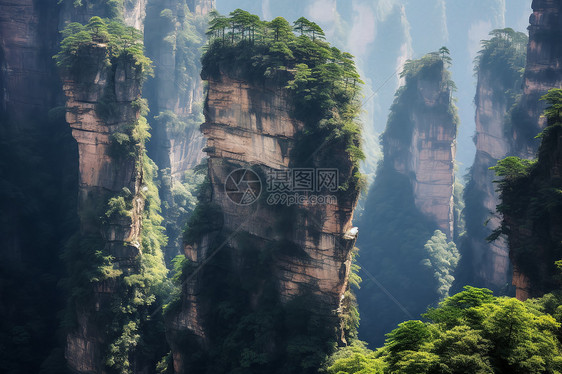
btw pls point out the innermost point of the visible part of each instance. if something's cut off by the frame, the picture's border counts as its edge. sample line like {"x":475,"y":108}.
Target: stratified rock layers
{"x":252,"y":126}
{"x":428,"y":158}
{"x":102,"y":174}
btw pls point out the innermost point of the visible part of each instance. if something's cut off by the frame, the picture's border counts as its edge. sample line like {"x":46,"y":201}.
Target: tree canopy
{"x":120,"y":41}
{"x":470,"y":332}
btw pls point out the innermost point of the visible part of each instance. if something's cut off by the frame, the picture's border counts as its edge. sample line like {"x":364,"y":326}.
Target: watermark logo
{"x":297,"y":186}
{"x":243,"y":186}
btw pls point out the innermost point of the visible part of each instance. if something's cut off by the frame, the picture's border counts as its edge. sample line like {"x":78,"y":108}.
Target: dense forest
{"x":203,"y":186}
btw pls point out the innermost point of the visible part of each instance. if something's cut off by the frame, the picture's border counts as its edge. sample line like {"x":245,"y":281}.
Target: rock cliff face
{"x":428,"y":158}
{"x":531,"y":216}
{"x":543,"y":71}
{"x":102,"y":174}
{"x":29,"y":36}
{"x":27,"y":87}
{"x":100,"y":103}
{"x":176,"y":88}
{"x":490,"y":261}
{"x":499,"y":65}
{"x":174,"y":35}
{"x":252,"y":126}
{"x":201,"y":7}
{"x":411,"y":200}
{"x":38,"y":183}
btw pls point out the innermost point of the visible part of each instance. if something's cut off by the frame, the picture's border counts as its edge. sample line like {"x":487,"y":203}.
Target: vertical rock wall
{"x":99,"y":103}
{"x":489,"y":261}
{"x":542,"y":72}
{"x":428,"y":158}
{"x":102,"y":174}
{"x":252,"y":126}
{"x":176,"y":87}
{"x":499,"y":68}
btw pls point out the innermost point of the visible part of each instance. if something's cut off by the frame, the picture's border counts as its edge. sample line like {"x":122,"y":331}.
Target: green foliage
{"x":120,"y":205}
{"x":206,"y":217}
{"x":120,"y":42}
{"x":354,"y":359}
{"x":349,"y":312}
{"x":177,"y":210}
{"x":176,"y":125}
{"x":443,"y":258}
{"x":531,"y":198}
{"x":502,"y":60}
{"x":470,"y":332}
{"x":129,"y":317}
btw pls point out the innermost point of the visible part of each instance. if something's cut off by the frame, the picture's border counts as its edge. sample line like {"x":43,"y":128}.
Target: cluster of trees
{"x":504,"y":54}
{"x":244,"y":26}
{"x":470,"y":332}
{"x":121,"y":42}
{"x":431,"y":66}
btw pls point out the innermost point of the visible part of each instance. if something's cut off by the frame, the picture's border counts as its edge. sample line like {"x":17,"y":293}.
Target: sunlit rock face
{"x":428,"y":158}
{"x":251,"y":125}
{"x":101,"y":174}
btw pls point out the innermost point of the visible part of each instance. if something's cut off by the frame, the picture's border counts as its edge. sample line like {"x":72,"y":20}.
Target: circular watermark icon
{"x":243,"y":186}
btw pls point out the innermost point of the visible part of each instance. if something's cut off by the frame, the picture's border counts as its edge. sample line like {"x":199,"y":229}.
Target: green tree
{"x":317,"y":31}
{"x":281,"y":29}
{"x":408,"y":336}
{"x":445,"y":55}
{"x":442,"y":258}
{"x":302,"y":26}
{"x":98,"y":27}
